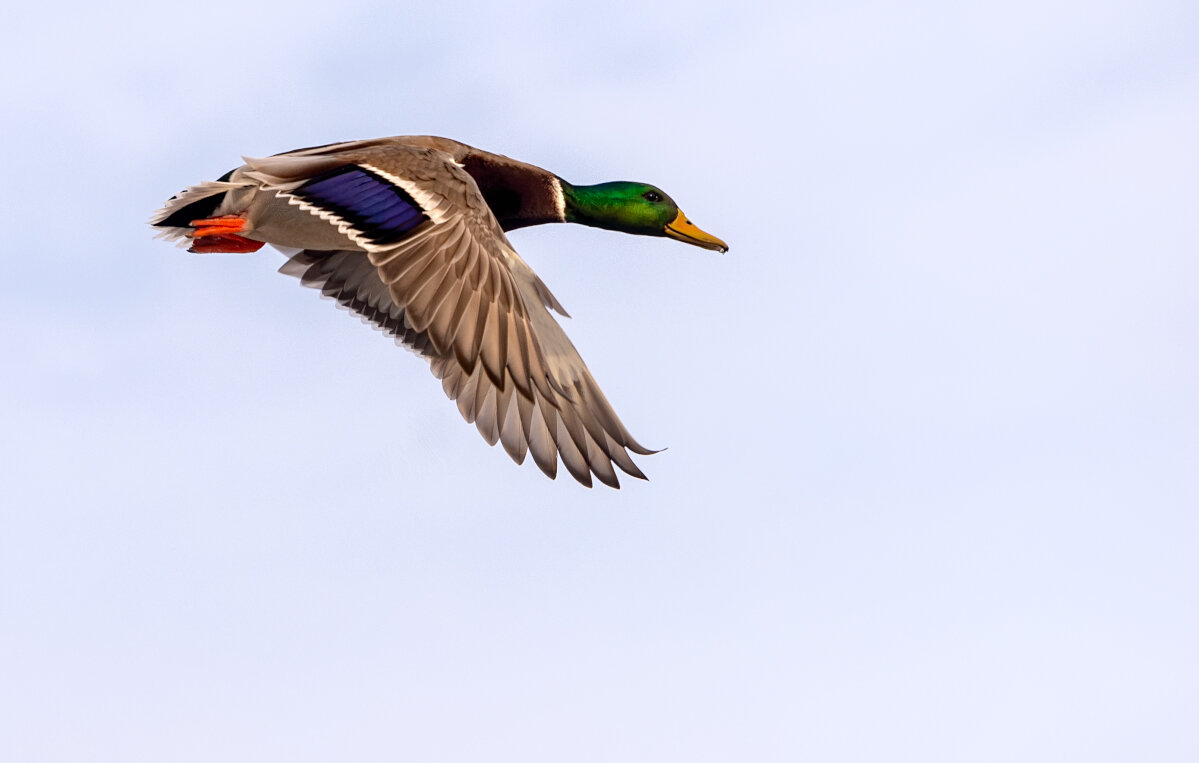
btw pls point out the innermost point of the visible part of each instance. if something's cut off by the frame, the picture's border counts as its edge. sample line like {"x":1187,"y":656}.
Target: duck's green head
{"x":633,"y":208}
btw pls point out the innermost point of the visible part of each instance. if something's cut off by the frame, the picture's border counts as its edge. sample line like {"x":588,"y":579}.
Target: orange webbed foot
{"x":219,"y":234}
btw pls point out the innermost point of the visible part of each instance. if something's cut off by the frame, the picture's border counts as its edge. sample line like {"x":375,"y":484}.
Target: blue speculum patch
{"x":382,"y":212}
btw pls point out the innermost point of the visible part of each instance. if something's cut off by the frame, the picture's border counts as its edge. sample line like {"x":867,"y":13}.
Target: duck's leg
{"x":219,"y":234}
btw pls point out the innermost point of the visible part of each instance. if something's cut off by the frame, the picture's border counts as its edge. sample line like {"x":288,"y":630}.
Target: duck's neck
{"x":580,"y":202}
{"x":519,"y":194}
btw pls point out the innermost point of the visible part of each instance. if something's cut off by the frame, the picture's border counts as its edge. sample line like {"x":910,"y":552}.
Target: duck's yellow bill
{"x":684,"y":230}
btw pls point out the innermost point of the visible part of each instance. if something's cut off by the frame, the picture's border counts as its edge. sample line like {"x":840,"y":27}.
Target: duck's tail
{"x":197,"y":215}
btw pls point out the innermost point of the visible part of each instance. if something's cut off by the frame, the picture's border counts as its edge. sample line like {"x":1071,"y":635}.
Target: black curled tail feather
{"x":196,"y":210}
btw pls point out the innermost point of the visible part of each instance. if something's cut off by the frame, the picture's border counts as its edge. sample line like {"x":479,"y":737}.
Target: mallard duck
{"x":408,"y":232}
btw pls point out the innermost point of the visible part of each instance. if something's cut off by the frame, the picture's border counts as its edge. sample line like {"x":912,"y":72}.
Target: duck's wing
{"x":350,"y":279}
{"x":438,"y":273}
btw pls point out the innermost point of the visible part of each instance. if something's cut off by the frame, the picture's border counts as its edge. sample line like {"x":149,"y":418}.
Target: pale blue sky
{"x":933,"y":423}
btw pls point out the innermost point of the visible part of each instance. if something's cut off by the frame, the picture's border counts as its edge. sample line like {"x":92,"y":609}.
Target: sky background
{"x":932,"y":485}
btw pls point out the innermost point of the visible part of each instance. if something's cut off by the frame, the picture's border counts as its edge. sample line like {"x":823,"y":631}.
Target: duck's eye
{"x":652,"y":196}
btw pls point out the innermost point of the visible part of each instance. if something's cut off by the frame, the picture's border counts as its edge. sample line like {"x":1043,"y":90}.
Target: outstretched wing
{"x":438,"y":273}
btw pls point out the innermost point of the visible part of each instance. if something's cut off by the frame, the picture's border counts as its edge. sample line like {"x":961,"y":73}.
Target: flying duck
{"x":409,"y":232}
